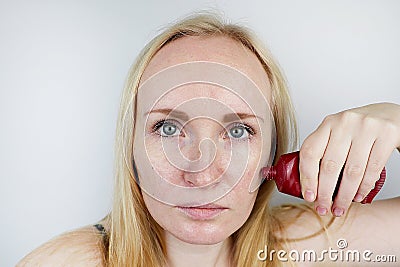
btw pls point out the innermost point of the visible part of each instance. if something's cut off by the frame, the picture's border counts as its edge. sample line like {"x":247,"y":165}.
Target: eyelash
{"x":161,"y":122}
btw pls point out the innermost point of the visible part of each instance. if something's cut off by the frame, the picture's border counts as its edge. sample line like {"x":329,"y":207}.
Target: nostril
{"x":189,"y":183}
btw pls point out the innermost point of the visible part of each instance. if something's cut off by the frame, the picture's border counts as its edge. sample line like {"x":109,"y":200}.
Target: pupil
{"x":237,"y":132}
{"x":169,"y":129}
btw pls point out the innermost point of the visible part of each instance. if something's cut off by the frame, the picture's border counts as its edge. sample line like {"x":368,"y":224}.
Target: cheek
{"x":160,"y":162}
{"x":227,"y":157}
{"x":239,"y":200}
{"x":166,"y":216}
{"x":240,"y":196}
{"x":252,"y":157}
{"x":157,"y":210}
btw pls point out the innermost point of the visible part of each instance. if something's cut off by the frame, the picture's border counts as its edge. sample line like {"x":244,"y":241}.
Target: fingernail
{"x":321,"y":210}
{"x":338,"y":212}
{"x":358,"y":198}
{"x":309,"y":196}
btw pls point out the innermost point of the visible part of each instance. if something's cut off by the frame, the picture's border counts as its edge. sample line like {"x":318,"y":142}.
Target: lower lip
{"x":202,"y":213}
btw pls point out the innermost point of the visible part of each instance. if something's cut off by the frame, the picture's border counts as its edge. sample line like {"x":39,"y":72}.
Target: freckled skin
{"x":238,"y":201}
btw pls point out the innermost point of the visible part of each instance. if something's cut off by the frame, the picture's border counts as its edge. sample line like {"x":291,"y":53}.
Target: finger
{"x":331,"y":164}
{"x":353,"y":172}
{"x":311,"y":152}
{"x":378,"y":157}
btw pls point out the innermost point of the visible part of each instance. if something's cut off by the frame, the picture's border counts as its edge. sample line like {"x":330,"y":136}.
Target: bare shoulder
{"x":370,"y":227}
{"x":374,"y":226}
{"x":80,"y":247}
{"x":306,"y":233}
{"x":303,"y":228}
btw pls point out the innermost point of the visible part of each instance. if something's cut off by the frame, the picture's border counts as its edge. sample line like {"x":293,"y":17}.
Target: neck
{"x":181,"y":253}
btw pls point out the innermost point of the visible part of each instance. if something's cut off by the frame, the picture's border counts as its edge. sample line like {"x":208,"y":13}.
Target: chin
{"x":203,"y":225}
{"x":203,"y":230}
{"x":200,"y":232}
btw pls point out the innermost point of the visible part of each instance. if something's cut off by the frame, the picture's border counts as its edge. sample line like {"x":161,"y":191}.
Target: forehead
{"x":220,"y":49}
{"x":201,"y":100}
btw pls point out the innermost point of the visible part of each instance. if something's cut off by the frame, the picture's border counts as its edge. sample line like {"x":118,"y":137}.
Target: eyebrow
{"x":183,"y":116}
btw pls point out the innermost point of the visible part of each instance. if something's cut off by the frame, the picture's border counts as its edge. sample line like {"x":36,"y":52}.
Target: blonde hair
{"x":135,"y":238}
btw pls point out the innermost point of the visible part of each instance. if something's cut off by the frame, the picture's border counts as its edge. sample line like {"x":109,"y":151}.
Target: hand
{"x":360,"y":139}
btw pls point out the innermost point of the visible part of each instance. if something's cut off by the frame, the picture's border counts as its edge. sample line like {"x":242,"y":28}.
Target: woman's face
{"x":206,"y":145}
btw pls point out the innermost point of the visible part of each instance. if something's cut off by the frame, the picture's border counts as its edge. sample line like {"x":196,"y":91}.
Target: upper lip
{"x":208,"y":206}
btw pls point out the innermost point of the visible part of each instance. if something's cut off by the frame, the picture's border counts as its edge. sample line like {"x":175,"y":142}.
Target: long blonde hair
{"x":135,"y":238}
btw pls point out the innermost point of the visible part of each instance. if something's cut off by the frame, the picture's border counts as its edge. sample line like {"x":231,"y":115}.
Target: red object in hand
{"x":287,"y":178}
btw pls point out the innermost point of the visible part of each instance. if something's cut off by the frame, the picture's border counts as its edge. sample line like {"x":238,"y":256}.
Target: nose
{"x":205,"y":159}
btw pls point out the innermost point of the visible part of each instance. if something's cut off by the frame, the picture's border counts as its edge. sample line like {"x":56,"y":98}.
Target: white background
{"x":63,"y":65}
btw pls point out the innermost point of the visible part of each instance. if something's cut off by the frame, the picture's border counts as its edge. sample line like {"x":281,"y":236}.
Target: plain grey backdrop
{"x":62,"y":69}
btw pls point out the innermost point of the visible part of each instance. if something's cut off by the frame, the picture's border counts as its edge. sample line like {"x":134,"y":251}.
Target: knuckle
{"x":307,"y":152}
{"x":375,"y":166}
{"x":367,"y":186}
{"x":354,"y":171}
{"x":329,"y":119}
{"x":351,"y":116}
{"x":343,"y":199}
{"x":329,"y":166}
{"x":307,"y":181}
{"x":345,"y":117}
{"x":324,"y":197}
{"x":369,"y":122}
{"x":364,"y":192}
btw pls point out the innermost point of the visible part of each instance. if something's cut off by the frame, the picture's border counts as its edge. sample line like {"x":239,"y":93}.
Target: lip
{"x":204,"y":212}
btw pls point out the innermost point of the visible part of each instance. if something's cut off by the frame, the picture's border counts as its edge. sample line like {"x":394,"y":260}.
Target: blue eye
{"x":166,"y":128}
{"x":240,"y":131}
{"x":170,"y":129}
{"x":237,"y":132}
